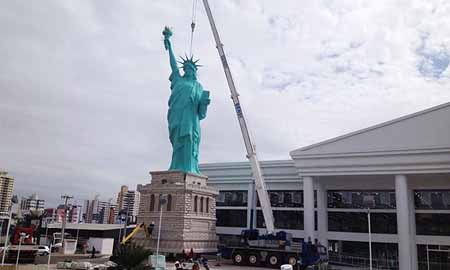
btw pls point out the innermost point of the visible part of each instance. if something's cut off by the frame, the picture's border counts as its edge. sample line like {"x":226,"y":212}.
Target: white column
{"x":308,"y":206}
{"x":406,"y":237}
{"x":412,"y":227}
{"x":322,"y":214}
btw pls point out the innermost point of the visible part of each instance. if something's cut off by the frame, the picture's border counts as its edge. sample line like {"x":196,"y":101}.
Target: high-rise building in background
{"x":6,"y":189}
{"x":56,"y":215}
{"x":121,"y":196}
{"x":128,"y":202}
{"x":101,"y":212}
{"x":31,"y":203}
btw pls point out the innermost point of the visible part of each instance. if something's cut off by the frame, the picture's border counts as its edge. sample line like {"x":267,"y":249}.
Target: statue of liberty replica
{"x":188,"y":103}
{"x":181,"y":194}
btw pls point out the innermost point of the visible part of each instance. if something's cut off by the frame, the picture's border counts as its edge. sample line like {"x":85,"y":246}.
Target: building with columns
{"x":397,"y":172}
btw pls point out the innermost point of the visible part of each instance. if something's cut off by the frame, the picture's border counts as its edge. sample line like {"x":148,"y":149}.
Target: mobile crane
{"x":272,"y":249}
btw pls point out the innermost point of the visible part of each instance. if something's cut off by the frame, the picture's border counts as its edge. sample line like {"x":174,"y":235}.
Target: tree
{"x":130,"y":257}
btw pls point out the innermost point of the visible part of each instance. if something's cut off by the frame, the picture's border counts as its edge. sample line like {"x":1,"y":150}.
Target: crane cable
{"x":194,"y":17}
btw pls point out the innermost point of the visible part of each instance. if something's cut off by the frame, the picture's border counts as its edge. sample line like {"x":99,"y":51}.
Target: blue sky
{"x":84,"y":84}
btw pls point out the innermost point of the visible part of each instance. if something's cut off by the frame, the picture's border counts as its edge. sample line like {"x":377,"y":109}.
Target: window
{"x":375,"y":199}
{"x":207,"y":205}
{"x":283,"y":219}
{"x":433,"y":224}
{"x":438,"y":260}
{"x":169,"y":202}
{"x":152,"y":203}
{"x":285,"y":198}
{"x":357,"y":222}
{"x":231,"y":218}
{"x":195,"y":203}
{"x":159,"y":202}
{"x":386,"y":254}
{"x":432,"y":199}
{"x":232,"y":198}
{"x":201,"y":205}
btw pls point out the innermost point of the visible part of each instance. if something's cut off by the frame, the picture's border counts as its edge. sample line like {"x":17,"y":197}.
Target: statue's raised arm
{"x":167,"y":33}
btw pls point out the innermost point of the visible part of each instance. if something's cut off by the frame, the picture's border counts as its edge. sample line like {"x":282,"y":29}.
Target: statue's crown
{"x":189,"y":62}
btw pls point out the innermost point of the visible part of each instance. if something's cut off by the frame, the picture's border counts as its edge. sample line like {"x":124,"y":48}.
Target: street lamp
{"x":22,"y":236}
{"x":162,"y":201}
{"x":14,"y":200}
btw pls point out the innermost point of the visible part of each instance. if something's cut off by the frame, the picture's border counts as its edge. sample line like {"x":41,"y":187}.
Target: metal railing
{"x":362,"y":261}
{"x":348,"y":260}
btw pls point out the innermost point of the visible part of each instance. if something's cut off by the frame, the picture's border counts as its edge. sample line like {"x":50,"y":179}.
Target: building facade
{"x":56,"y":215}
{"x":100,"y":212}
{"x":32,"y":203}
{"x":6,"y":189}
{"x":396,"y":173}
{"x":128,"y":202}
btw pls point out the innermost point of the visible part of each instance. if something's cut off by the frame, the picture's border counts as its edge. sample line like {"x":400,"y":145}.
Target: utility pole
{"x":66,"y":198}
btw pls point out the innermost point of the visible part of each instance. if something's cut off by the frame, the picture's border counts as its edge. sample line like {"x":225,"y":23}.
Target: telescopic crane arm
{"x":251,"y":152}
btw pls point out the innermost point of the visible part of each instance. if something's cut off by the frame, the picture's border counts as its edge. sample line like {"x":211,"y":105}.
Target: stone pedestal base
{"x":188,"y":218}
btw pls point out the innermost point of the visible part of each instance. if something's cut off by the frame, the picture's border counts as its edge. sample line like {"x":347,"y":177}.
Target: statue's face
{"x":189,"y":71}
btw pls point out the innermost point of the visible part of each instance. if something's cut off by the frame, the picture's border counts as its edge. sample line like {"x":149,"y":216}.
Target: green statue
{"x":188,"y":103}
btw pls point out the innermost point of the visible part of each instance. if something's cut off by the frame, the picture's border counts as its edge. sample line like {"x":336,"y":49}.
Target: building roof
{"x":89,"y":226}
{"x":427,"y":129}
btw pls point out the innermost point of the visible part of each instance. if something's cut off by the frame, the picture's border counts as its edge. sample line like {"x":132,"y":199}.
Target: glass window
{"x":433,"y":224}
{"x":285,"y":198}
{"x":201,"y":204}
{"x":207,"y":205}
{"x":231,"y":218}
{"x":438,"y":260}
{"x":283,"y":219}
{"x":385,"y":255}
{"x":432,"y":199}
{"x":357,"y":222}
{"x":232,"y":198}
{"x":374,"y":199}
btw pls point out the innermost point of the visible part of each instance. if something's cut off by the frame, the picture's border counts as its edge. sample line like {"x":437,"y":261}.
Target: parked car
{"x":43,"y":250}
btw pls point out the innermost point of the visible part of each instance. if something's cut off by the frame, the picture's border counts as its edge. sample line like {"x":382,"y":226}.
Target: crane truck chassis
{"x":275,"y":250}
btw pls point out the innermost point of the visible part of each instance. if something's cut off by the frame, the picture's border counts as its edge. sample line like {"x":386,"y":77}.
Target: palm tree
{"x":130,"y":257}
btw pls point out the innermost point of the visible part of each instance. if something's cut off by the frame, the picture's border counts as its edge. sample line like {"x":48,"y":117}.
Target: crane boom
{"x":251,"y":152}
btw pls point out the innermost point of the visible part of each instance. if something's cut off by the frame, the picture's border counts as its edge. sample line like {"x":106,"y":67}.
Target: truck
{"x":272,"y":248}
{"x":22,"y":242}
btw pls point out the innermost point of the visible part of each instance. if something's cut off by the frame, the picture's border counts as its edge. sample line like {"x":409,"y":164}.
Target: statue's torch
{"x":167,"y":33}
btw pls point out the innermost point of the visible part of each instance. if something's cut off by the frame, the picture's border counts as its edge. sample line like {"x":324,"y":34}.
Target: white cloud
{"x":84,"y":84}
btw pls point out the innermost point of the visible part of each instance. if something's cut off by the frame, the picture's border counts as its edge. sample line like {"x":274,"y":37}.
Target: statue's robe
{"x":188,"y":103}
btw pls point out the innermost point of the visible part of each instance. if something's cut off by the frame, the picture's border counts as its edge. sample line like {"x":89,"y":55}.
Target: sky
{"x":84,"y":84}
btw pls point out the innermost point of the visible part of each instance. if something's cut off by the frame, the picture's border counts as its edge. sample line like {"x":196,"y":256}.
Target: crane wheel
{"x":238,"y":258}
{"x":274,"y":260}
{"x":253,"y":259}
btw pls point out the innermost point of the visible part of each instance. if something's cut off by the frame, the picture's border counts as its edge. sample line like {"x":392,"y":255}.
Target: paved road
{"x":225,"y":266}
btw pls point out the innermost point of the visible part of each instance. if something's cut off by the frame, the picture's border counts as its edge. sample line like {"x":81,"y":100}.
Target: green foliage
{"x":130,"y":257}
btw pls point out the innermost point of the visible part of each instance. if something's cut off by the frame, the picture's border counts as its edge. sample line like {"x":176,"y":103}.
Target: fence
{"x":362,"y":261}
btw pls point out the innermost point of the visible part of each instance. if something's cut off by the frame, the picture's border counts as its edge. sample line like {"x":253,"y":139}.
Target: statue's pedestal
{"x":188,"y":218}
